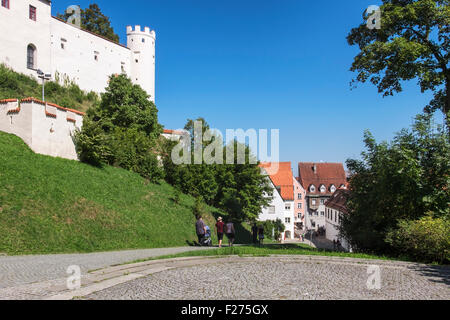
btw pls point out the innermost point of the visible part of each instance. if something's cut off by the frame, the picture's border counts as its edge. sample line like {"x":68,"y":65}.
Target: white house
{"x":335,"y":209}
{"x":282,"y":205}
{"x":32,"y":39}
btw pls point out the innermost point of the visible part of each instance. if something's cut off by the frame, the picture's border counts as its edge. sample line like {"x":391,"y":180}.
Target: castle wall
{"x":18,"y":31}
{"x":46,"y":128}
{"x":84,"y":58}
{"x":72,"y":54}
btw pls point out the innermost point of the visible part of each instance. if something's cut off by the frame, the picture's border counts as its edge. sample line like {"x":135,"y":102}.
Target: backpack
{"x":229,"y":228}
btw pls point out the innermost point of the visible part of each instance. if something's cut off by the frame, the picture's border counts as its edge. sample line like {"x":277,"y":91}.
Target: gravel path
{"x":286,"y":278}
{"x":20,"y":270}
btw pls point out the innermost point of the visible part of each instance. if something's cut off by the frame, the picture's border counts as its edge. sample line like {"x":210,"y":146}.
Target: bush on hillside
{"x":122,"y":131}
{"x":426,"y":239}
{"x":277,"y":227}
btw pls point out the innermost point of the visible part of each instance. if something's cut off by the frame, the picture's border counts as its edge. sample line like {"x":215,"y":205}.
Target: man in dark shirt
{"x":255,"y":233}
{"x":219,"y":229}
{"x":201,"y":229}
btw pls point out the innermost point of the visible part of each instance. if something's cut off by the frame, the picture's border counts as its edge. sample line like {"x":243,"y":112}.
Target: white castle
{"x":32,"y":39}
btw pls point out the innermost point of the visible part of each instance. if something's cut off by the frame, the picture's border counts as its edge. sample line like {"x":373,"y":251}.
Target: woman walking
{"x":219,"y":228}
{"x":230,"y":232}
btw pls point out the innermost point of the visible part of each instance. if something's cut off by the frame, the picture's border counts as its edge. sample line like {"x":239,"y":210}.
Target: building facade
{"x":32,"y":39}
{"x":283,"y":203}
{"x":299,"y":207}
{"x":335,"y":208}
{"x":320,"y":181}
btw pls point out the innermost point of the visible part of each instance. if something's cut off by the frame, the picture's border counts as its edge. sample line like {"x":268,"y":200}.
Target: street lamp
{"x":43,"y":76}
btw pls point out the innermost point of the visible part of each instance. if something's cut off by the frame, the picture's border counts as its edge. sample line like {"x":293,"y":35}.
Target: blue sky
{"x":278,"y":64}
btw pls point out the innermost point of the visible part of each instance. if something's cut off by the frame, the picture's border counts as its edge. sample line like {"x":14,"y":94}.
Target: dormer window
{"x":312,"y":188}
{"x":333,"y":188}
{"x":343,"y":186}
{"x":323,"y":189}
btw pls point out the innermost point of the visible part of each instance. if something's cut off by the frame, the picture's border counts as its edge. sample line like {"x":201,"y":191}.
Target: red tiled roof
{"x":166,"y":131}
{"x":8,"y":100}
{"x":326,"y":174}
{"x":338,"y":200}
{"x":283,"y":179}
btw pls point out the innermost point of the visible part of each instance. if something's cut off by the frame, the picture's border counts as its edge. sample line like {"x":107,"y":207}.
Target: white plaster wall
{"x":142,"y":46}
{"x":289,"y":214}
{"x":54,"y":136}
{"x":43,"y":134}
{"x":17,"y":123}
{"x":280,"y":212}
{"x":18,"y":31}
{"x":77,"y":62}
{"x":332,"y":229}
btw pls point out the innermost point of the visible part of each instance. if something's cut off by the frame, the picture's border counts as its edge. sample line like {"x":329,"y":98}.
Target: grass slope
{"x":52,"y":205}
{"x":15,"y":85}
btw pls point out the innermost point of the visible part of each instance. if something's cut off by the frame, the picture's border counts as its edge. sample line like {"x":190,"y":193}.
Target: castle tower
{"x":142,"y":46}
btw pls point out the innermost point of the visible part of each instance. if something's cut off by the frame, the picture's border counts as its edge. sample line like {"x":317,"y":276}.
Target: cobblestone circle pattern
{"x":284,"y":279}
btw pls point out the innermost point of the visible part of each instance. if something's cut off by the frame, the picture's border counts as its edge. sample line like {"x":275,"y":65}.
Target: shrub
{"x":426,"y":239}
{"x":276,"y":226}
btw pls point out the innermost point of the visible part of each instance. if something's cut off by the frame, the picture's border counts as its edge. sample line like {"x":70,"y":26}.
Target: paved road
{"x":286,"y":278}
{"x":15,"y":271}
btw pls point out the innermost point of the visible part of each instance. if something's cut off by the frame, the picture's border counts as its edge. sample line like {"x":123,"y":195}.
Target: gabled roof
{"x":338,"y":200}
{"x":318,"y":174}
{"x":283,"y":179}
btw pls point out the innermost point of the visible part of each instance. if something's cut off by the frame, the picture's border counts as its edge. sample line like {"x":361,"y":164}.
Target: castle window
{"x":33,"y":13}
{"x":31,"y":57}
{"x":5,"y":3}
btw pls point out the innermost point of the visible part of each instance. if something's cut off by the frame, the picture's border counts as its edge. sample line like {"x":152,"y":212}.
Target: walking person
{"x":230,"y":232}
{"x":200,"y":228}
{"x":255,"y":233}
{"x":261,"y":235}
{"x":219,"y":228}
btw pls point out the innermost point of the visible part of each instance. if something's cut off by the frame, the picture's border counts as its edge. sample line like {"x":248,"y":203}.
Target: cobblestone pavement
{"x":21,"y":270}
{"x":278,"y":278}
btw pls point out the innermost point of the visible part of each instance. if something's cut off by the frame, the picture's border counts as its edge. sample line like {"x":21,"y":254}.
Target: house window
{"x":287,"y":207}
{"x":62,"y":46}
{"x":312,"y":188}
{"x":322,"y":201}
{"x":5,"y":3}
{"x":333,"y":188}
{"x":288,"y":220}
{"x":323,"y":189}
{"x":96,"y":57}
{"x":299,"y":196}
{"x":31,"y":56}
{"x":33,"y":13}
{"x":313,"y":202}
{"x":322,"y":213}
{"x":300,"y":206}
{"x":143,"y":40}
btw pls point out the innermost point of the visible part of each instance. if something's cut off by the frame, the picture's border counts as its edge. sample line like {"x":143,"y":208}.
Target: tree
{"x":401,"y":180}
{"x":240,"y":190}
{"x":413,"y":43}
{"x":93,"y":20}
{"x":122,"y":130}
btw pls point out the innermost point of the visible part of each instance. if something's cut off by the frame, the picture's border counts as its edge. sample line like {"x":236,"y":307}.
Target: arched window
{"x":31,"y":57}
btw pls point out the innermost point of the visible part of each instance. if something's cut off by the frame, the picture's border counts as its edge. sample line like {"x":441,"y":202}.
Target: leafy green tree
{"x":413,"y":43}
{"x":240,"y":190}
{"x":93,"y":20}
{"x":401,"y":180}
{"x":122,"y":130}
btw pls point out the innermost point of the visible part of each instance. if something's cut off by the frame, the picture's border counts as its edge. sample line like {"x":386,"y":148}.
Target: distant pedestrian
{"x":230,"y":232}
{"x":255,"y":233}
{"x":219,"y":228}
{"x":200,"y":228}
{"x":334,"y":244}
{"x":261,"y":234}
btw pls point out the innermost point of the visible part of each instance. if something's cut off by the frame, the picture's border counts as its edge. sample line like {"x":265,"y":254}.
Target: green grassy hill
{"x":15,"y":85}
{"x":52,"y":205}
